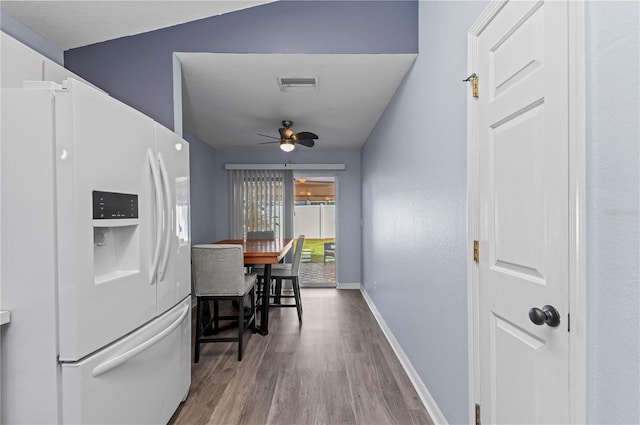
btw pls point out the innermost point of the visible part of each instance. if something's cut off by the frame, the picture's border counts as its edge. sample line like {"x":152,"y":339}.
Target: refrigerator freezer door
{"x":106,"y":288}
{"x":174,"y":275}
{"x":141,"y":379}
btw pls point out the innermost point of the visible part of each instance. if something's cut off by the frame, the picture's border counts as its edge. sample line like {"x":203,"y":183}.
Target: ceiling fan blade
{"x":266,"y":135}
{"x":306,"y":135}
{"x":266,"y":143}
{"x":307,"y":143}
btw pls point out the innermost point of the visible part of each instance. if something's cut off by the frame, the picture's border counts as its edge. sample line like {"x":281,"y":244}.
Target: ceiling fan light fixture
{"x":287,"y":145}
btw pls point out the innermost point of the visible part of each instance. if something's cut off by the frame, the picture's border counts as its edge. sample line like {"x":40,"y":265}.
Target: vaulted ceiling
{"x":71,"y":24}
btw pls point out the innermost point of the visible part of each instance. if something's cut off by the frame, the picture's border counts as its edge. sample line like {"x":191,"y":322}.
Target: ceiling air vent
{"x":298,"y":83}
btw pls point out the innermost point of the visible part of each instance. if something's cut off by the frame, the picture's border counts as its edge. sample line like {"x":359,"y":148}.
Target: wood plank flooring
{"x":334,"y":368}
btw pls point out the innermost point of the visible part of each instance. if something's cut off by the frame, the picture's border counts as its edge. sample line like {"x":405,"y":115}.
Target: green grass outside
{"x":317,"y":248}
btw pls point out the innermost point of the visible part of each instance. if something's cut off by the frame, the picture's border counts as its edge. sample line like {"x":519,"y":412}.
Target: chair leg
{"x":278,"y":291}
{"x":253,"y":309}
{"x":240,"y":326}
{"x":296,"y":294}
{"x":196,"y":356}
{"x":216,"y":315}
{"x":299,"y":296}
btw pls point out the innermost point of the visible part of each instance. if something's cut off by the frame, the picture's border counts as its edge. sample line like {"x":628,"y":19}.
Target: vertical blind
{"x":260,"y":200}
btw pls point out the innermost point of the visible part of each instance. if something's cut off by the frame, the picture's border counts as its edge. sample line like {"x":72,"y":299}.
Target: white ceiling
{"x":229,"y":98}
{"x":243,"y":98}
{"x":71,"y":24}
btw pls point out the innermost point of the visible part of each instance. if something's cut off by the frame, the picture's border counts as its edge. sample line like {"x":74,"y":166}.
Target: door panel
{"x":520,"y":53}
{"x":174,"y":281}
{"x":515,"y":351}
{"x":106,"y":288}
{"x":523,"y":213}
{"x":139,"y":380}
{"x":518,"y":195}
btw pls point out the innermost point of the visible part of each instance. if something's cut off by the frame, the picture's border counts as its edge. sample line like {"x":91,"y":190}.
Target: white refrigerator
{"x":95,"y":260}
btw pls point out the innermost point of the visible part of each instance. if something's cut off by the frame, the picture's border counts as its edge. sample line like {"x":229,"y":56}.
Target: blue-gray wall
{"x":414,"y":193}
{"x":203,"y":190}
{"x":613,"y":231}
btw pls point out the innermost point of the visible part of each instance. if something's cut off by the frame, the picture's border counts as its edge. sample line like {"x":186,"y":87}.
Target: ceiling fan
{"x":288,"y":139}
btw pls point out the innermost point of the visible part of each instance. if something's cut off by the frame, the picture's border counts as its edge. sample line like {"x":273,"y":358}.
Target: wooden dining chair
{"x":218,"y":274}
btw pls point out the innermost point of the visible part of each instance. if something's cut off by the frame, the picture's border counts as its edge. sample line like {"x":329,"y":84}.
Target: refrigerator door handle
{"x":122,"y":358}
{"x":158,"y":189}
{"x":167,"y":210}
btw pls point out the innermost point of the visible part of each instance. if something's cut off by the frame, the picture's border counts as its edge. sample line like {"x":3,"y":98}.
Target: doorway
{"x":314,"y":200}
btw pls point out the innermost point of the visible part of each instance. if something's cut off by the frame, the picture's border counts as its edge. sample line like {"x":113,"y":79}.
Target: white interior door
{"x":523,"y":214}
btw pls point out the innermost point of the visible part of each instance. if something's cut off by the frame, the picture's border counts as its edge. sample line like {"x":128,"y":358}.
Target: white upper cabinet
{"x":18,"y":63}
{"x":21,"y":63}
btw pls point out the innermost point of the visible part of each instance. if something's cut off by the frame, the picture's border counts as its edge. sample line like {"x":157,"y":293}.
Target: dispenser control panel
{"x":111,"y":205}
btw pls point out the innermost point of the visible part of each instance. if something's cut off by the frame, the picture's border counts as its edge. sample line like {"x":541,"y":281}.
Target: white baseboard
{"x":429,"y":403}
{"x":348,"y":286}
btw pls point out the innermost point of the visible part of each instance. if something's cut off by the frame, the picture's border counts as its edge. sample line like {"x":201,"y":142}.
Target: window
{"x":260,"y":200}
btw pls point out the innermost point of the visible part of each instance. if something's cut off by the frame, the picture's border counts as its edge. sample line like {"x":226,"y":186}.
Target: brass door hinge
{"x":478,"y":414}
{"x":476,"y":251}
{"x":474,"y":81}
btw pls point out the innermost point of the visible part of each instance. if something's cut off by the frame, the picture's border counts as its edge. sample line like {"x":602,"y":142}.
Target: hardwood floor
{"x":334,"y":368}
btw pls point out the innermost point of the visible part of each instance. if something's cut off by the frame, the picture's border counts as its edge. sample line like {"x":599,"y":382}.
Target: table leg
{"x":263,"y":329}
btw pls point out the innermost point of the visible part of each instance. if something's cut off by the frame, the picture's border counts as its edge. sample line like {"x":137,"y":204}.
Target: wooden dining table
{"x":265,"y":252}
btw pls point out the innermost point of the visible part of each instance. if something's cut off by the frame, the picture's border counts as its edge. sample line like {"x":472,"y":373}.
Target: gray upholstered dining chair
{"x":286,"y":271}
{"x":261,"y":234}
{"x":218,"y":274}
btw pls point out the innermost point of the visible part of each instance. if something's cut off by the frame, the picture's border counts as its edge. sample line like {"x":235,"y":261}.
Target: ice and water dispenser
{"x":116,"y":252}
